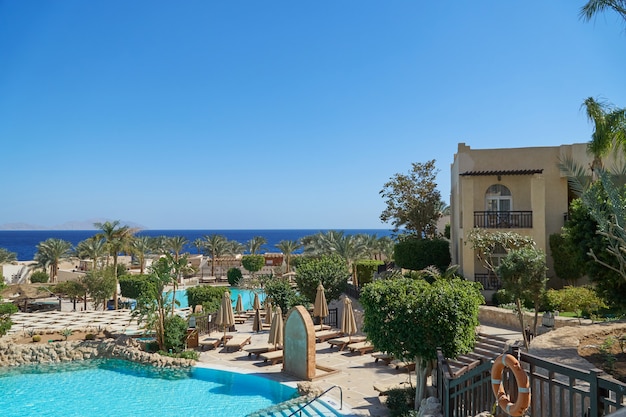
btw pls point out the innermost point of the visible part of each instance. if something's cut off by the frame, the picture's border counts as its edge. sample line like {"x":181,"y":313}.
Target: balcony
{"x":489,"y":281}
{"x":503,"y":219}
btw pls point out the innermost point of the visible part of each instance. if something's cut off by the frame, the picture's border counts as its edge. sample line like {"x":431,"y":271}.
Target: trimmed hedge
{"x":365,"y":270}
{"x":204,"y":294}
{"x":417,"y":254}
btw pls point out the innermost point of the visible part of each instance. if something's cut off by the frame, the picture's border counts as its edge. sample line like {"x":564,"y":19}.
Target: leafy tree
{"x":413,"y":201}
{"x":7,"y":257}
{"x":175,"y":333}
{"x":39,"y":277}
{"x":567,"y":265}
{"x":486,"y":243}
{"x":6,"y":309}
{"x":117,"y":239}
{"x":50,"y":253}
{"x":411,"y":318}
{"x":523,"y":274}
{"x":253,"y":263}
{"x":416,"y":253}
{"x":206,"y":296}
{"x":99,"y":284}
{"x":234,"y":276}
{"x":71,"y":289}
{"x":282,"y":294}
{"x":329,"y":270}
{"x":133,"y":286}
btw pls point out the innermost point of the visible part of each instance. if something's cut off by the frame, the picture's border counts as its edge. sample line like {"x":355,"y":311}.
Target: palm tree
{"x":256,"y":244}
{"x":609,"y":130}
{"x":92,"y":248}
{"x":117,"y":239}
{"x":141,"y":246}
{"x":288,"y":247}
{"x":199,"y":244}
{"x":49,"y":254}
{"x":593,"y":7}
{"x":177,"y":244}
{"x":7,"y":257}
{"x":216,"y":245}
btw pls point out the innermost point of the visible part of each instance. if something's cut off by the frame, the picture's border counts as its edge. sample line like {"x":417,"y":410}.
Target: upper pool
{"x":116,"y":387}
{"x":247,"y":297}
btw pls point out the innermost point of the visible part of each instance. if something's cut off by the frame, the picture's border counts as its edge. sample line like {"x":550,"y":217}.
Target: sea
{"x":24,"y":242}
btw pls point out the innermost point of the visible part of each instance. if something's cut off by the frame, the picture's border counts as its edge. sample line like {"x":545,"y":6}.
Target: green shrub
{"x":365,"y":270}
{"x":175,"y":333}
{"x":39,"y":277}
{"x":400,"y":402}
{"x":205,"y":296}
{"x":234,"y":275}
{"x":36,"y":338}
{"x":501,"y":297}
{"x":90,"y":336}
{"x":417,"y":254}
{"x":134,"y":286}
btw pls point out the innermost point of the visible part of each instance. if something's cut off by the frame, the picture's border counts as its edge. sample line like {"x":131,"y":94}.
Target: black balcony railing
{"x":503,"y":219}
{"x":489,"y":281}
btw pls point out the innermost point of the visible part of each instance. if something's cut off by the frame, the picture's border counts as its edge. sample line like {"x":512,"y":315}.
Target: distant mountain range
{"x":71,"y":225}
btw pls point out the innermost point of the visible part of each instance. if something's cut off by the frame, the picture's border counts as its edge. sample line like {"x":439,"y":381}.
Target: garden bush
{"x":234,"y":276}
{"x":39,"y":277}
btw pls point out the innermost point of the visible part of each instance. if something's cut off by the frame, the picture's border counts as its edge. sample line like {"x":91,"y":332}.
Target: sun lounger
{"x":237,"y":342}
{"x":274,"y":357}
{"x":384,"y":389}
{"x":383,"y":357}
{"x":257,"y":350}
{"x":240,"y":320}
{"x":324,"y":335}
{"x":361,"y":347}
{"x":212,"y":342}
{"x":409,"y":366}
{"x":342,"y":342}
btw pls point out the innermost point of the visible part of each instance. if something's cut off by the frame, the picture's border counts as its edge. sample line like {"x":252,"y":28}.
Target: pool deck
{"x":356,"y":374}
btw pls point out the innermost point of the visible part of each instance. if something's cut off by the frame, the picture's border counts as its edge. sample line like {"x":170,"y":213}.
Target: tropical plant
{"x":71,"y":289}
{"x":100,"y":285}
{"x":141,"y":247}
{"x":7,"y":257}
{"x":117,"y":239}
{"x":92,"y":248}
{"x":206,"y":296}
{"x":523,"y":274}
{"x":255,"y":245}
{"x":413,"y":201}
{"x":234,"y":276}
{"x":282,"y":294}
{"x":216,"y":245}
{"x":567,"y":265}
{"x":50,"y":253}
{"x":411,"y":319}
{"x":288,"y":248}
{"x":6,"y":309}
{"x":593,"y":7}
{"x":175,"y":333}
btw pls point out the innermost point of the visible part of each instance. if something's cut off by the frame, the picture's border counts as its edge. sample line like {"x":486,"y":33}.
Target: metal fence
{"x":557,"y":390}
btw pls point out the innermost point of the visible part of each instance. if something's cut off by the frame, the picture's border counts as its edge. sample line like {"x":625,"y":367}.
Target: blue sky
{"x":278,"y":114}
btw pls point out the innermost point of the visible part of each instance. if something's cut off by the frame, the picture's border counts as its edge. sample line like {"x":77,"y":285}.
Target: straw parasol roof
{"x":320,"y":308}
{"x":239,"y":305}
{"x":225,"y":316}
{"x":276,"y":330}
{"x":268,"y":311}
{"x":348,"y":322}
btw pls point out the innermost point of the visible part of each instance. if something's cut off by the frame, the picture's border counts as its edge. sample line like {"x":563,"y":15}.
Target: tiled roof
{"x":504,"y":172}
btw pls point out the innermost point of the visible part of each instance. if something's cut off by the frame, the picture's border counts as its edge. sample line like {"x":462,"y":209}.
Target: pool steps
{"x":286,"y":408}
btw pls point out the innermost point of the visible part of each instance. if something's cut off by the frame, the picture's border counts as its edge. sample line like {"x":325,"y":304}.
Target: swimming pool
{"x":247,"y":296}
{"x":116,"y":387}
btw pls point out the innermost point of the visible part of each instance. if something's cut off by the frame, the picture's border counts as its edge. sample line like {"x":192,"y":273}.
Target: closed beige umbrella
{"x":268,"y":311}
{"x":256,"y":324}
{"x":225,"y":316}
{"x":256,"y":304}
{"x":320,"y":308}
{"x":276,"y":330}
{"x":239,"y":305}
{"x":348,"y":322}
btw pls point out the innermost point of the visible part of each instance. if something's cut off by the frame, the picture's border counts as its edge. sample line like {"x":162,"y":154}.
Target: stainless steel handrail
{"x":318,"y":396}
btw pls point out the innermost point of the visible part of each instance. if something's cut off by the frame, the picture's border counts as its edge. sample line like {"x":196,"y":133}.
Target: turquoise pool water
{"x":116,"y":388}
{"x":247,"y":297}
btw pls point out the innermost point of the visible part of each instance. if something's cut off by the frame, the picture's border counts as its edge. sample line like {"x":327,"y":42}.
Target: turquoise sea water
{"x":120,"y":388}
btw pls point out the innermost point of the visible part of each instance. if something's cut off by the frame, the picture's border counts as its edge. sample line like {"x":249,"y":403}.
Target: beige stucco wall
{"x":545,"y":193}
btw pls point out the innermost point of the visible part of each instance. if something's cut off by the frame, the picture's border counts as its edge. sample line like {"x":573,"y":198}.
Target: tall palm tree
{"x":177,"y":244}
{"x":117,"y":239}
{"x":288,"y":247}
{"x":92,"y":248}
{"x":256,"y":244}
{"x":216,"y":245}
{"x":199,"y":245}
{"x":594,"y":7}
{"x":141,"y":247}
{"x":609,"y":130}
{"x":49,"y":254}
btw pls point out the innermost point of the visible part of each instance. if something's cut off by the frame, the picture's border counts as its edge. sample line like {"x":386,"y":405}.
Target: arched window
{"x":498,"y":198}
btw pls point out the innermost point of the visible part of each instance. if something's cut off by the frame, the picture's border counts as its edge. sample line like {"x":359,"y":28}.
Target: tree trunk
{"x":520,"y":315}
{"x":115,"y":275}
{"x":422,"y":369}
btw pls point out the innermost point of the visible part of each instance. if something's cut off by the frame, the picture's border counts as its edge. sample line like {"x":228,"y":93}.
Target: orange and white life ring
{"x":523,"y":385}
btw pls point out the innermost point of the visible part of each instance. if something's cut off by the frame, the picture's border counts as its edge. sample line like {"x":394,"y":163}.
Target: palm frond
{"x":578,"y":176}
